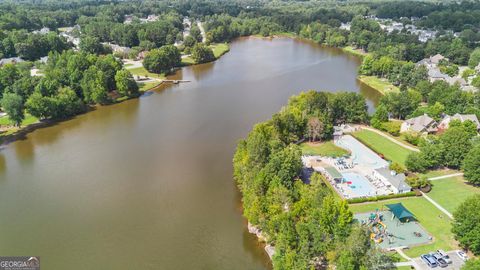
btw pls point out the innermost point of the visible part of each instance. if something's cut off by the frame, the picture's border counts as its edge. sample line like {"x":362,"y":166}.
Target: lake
{"x":147,"y":184}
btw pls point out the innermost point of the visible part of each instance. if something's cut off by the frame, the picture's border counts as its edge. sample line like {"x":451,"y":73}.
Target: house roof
{"x":399,"y":211}
{"x":462,"y":118}
{"x":420,"y":123}
{"x":10,"y":60}
{"x":396,"y":179}
{"x":436,"y":58}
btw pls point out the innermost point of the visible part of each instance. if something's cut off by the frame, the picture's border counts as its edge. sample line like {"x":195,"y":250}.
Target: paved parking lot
{"x":456,"y":264}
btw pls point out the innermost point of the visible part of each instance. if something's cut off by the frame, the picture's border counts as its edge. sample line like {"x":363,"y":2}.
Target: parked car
{"x":429,"y":260}
{"x":445,"y":256}
{"x":462,"y":255}
{"x":439,"y":258}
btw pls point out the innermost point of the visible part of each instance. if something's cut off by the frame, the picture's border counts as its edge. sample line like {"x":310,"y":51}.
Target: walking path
{"x":411,"y":262}
{"x":392,"y":139}
{"x":437,"y":205}
{"x":445,"y":176}
{"x":202,"y":30}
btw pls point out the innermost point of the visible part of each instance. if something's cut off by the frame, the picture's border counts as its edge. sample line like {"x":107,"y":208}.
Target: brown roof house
{"x":420,"y":124}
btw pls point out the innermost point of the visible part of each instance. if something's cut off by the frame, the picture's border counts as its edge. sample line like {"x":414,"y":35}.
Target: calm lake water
{"x":147,"y":184}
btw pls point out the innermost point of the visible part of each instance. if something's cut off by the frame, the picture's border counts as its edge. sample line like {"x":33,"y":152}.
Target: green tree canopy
{"x":201,"y":53}
{"x":12,"y":104}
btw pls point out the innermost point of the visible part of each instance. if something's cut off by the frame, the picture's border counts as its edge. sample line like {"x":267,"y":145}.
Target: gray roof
{"x":397,"y":180}
{"x":465,"y":117}
{"x":421,"y":123}
{"x":437,"y":58}
{"x":11,"y":60}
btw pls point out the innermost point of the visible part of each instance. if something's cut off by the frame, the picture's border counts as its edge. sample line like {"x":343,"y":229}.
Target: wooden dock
{"x":175,"y":81}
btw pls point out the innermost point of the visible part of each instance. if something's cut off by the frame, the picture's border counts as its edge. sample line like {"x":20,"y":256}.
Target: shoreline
{"x":23,"y":131}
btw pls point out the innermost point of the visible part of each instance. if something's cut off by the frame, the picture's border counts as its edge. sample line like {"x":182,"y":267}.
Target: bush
{"x":397,"y":167}
{"x":392,"y":127}
{"x":381,"y":197}
{"x":418,"y":182}
{"x":412,"y":137}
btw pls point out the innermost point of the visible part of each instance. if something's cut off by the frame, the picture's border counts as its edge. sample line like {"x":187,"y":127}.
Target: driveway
{"x":456,"y":264}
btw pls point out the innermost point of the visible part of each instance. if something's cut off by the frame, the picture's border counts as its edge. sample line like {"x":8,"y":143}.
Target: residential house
{"x":420,"y":124}
{"x":11,"y":60}
{"x":461,"y":117}
{"x":395,"y":181}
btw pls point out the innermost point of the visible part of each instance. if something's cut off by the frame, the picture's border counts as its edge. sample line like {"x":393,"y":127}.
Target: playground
{"x":394,"y":226}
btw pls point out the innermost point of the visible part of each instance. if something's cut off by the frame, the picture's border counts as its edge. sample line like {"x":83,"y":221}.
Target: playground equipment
{"x":377,"y":228}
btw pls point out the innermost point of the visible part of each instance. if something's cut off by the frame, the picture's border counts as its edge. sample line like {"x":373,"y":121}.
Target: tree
{"x":474,"y":58}
{"x":456,"y":142}
{"x":415,"y":162}
{"x":466,"y":224}
{"x":13,"y":105}
{"x":202,"y":54}
{"x":314,"y":128}
{"x":91,"y":45}
{"x":471,"y":165}
{"x":126,"y":85}
{"x":473,"y":264}
{"x":162,"y":60}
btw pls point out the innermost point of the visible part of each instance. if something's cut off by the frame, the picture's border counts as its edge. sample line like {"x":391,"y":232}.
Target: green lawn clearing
{"x":356,"y":52}
{"x":29,"y":119}
{"x":323,"y":149}
{"x":147,"y":85}
{"x":436,"y":173}
{"x":219,"y":49}
{"x":141,"y":71}
{"x":382,"y":145}
{"x":451,"y":192}
{"x":430,"y":218}
{"x":381,"y":85}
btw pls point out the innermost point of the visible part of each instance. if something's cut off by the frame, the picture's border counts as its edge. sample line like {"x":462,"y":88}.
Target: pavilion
{"x":399,"y":211}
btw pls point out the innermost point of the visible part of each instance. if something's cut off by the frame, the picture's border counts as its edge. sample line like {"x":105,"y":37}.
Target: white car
{"x":462,"y":255}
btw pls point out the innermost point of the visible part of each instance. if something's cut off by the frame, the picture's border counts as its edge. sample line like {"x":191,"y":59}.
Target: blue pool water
{"x":360,"y":185}
{"x":361,"y":154}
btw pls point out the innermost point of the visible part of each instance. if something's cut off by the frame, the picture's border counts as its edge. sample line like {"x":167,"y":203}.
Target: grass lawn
{"x":381,"y":85}
{"x":435,"y":173}
{"x":323,"y":149}
{"x":29,"y":119}
{"x":147,"y":85}
{"x":141,"y":71}
{"x":451,"y":192}
{"x":357,"y":52}
{"x":382,"y":145}
{"x":428,"y":216}
{"x":219,"y":49}
{"x":186,"y":61}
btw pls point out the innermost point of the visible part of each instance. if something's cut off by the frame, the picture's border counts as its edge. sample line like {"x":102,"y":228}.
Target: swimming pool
{"x":361,"y":154}
{"x":360,"y":186}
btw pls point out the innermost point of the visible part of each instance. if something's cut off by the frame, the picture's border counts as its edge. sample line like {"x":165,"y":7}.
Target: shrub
{"x":381,"y":197}
{"x":397,"y":167}
{"x":412,"y":137}
{"x":392,"y":127}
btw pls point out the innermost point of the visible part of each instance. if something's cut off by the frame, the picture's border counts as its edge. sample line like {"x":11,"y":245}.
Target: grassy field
{"x":435,"y":173}
{"x":147,"y":85}
{"x":382,"y":145}
{"x":219,"y":49}
{"x":141,"y":71}
{"x":432,"y":219}
{"x":356,"y":52}
{"x":5,"y":121}
{"x":323,"y":149}
{"x":381,"y":85}
{"x":451,"y":192}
